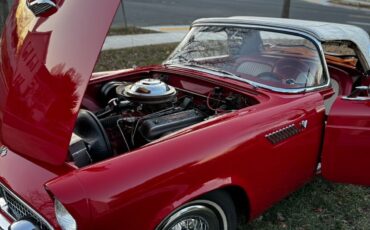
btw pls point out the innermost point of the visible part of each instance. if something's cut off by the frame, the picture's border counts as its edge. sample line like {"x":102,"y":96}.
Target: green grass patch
{"x":129,"y":31}
{"x":318,"y":205}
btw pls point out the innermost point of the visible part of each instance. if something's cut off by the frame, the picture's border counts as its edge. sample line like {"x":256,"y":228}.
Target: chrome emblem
{"x":39,"y":7}
{"x":3,"y":151}
{"x":304,"y":124}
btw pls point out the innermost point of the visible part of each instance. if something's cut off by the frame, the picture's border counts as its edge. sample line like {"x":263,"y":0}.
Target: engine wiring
{"x":123,"y":135}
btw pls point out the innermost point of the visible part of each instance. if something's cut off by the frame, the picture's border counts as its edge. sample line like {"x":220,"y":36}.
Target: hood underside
{"x":45,"y":67}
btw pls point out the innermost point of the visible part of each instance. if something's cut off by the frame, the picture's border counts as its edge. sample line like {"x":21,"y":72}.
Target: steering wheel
{"x":269,"y":76}
{"x":89,"y":128}
{"x":288,"y":68}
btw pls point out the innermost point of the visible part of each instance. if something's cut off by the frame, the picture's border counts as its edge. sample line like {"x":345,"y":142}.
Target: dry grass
{"x":137,"y":56}
{"x":319,"y":205}
{"x":129,"y":31}
{"x":359,"y":4}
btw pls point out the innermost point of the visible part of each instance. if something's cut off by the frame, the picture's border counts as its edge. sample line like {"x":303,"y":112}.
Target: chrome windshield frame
{"x":308,"y":36}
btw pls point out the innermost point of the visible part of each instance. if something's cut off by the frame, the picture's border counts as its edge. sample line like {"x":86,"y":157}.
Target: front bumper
{"x":4,"y":222}
{"x":11,"y":205}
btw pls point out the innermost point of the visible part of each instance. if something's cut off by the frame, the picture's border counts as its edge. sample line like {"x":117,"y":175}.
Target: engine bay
{"x":133,"y":113}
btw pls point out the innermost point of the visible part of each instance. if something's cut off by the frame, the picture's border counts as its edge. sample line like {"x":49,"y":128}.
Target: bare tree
{"x":4,"y":10}
{"x":286,"y":9}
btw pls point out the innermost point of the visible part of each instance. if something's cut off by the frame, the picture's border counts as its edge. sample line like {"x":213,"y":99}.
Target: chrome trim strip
{"x":308,"y":36}
{"x":27,"y":206}
{"x":356,"y":98}
{"x":4,"y":223}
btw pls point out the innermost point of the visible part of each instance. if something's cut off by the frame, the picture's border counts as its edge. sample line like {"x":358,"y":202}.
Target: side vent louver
{"x":283,"y":134}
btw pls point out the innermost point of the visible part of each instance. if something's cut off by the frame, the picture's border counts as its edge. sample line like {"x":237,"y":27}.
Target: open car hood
{"x":45,"y":66}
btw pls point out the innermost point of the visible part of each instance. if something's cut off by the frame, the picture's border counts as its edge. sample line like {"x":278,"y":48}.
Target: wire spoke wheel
{"x":197,"y":216}
{"x":192,"y":223}
{"x":214,"y":211}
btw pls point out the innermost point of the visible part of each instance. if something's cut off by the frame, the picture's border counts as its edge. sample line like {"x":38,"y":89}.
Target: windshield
{"x":266,"y":58}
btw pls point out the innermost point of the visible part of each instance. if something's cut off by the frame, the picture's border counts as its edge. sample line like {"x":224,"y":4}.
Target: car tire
{"x":214,"y":211}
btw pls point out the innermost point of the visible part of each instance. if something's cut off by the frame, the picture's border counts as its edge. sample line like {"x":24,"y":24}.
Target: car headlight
{"x":64,"y":218}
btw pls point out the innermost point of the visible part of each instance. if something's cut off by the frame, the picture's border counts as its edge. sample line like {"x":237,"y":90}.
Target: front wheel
{"x":214,"y":211}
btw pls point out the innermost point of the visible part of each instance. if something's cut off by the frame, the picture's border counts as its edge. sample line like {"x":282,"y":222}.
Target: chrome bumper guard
{"x":16,"y":209}
{"x":4,"y":223}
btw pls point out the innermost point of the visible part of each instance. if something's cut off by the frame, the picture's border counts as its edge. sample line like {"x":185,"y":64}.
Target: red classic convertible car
{"x":244,"y":112}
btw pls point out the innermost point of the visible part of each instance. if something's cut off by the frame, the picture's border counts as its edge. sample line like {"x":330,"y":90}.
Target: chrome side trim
{"x":45,"y":222}
{"x":356,"y":98}
{"x":307,"y":35}
{"x":4,"y":223}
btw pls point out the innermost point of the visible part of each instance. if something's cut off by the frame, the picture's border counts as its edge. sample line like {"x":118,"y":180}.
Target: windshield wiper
{"x":225,"y":73}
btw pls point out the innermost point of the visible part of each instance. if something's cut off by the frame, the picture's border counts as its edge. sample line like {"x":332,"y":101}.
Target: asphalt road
{"x":183,"y":12}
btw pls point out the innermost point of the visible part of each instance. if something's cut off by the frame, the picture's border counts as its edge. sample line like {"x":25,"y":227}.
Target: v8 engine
{"x":137,"y":113}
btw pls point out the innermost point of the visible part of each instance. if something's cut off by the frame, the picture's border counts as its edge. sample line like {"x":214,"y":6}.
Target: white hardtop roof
{"x":323,"y":31}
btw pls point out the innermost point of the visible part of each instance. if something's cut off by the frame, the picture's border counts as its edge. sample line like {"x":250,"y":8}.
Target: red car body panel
{"x":46,"y":64}
{"x":45,"y":71}
{"x":241,"y":151}
{"x":346,"y":154}
{"x":27,"y":179}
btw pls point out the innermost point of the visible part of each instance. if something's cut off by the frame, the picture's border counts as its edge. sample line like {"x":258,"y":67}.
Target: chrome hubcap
{"x":192,"y":223}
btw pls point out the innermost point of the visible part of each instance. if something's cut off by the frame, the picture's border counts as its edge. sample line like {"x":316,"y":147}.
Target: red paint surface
{"x":45,"y":68}
{"x":229,"y":151}
{"x":346,"y":154}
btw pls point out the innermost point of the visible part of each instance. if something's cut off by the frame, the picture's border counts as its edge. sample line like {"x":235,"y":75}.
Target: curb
{"x":357,"y":4}
{"x":168,"y":28}
{"x":349,"y":4}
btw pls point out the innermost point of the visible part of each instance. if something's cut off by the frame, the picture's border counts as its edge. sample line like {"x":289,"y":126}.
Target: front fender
{"x":137,"y":190}
{"x":153,"y":181}
{"x":70,"y":192}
